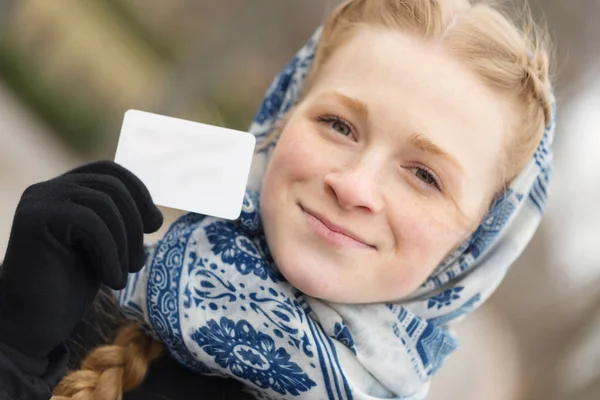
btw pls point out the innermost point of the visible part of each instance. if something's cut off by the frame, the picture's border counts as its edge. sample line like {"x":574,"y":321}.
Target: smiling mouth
{"x":333,"y":233}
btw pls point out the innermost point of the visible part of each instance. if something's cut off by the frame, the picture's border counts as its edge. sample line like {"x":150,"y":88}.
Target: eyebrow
{"x":428,"y":146}
{"x":417,"y":140}
{"x":351,"y":102}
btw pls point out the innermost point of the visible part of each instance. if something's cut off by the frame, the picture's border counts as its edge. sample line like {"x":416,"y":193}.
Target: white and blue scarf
{"x":211,"y":293}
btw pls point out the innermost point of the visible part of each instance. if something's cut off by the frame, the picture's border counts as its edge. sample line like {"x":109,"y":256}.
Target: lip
{"x":334,"y":233}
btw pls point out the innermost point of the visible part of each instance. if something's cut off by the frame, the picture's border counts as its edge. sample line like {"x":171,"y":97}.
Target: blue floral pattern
{"x":204,"y":284}
{"x":343,"y":335}
{"x":250,"y":217}
{"x":239,"y":250}
{"x":464,"y":309}
{"x":252,"y":355}
{"x":427,"y":345}
{"x":433,"y":346}
{"x":495,"y":220}
{"x":445,"y":298}
{"x":276,"y":93}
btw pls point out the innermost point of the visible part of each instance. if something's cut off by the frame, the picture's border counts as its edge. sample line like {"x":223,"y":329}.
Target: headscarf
{"x":211,"y":292}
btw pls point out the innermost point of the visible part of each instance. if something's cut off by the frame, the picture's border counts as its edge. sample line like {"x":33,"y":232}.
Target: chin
{"x":303,"y":279}
{"x":302,"y":275}
{"x":325,"y":284}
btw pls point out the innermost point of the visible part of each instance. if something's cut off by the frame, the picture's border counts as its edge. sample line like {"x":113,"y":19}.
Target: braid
{"x":109,"y":371}
{"x":536,"y":83}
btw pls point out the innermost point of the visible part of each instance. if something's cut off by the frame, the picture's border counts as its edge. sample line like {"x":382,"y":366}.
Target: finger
{"x":103,"y":205}
{"x":151,"y":215}
{"x":75,"y":226}
{"x":128,"y":211}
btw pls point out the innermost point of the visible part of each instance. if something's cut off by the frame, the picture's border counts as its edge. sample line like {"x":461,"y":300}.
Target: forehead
{"x":412,"y":86}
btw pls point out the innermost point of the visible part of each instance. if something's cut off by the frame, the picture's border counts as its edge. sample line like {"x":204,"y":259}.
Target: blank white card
{"x":187,"y":165}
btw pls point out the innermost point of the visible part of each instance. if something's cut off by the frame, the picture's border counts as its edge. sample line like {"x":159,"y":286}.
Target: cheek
{"x":430,"y":228}
{"x":422,"y":243}
{"x":293,"y":170}
{"x":296,"y":157}
{"x":292,"y":162}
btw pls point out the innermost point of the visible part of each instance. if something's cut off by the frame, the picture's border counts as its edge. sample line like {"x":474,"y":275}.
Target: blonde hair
{"x":109,"y":371}
{"x":511,"y":60}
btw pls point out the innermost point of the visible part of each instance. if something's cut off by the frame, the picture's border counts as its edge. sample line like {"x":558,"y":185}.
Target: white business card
{"x":187,"y":165}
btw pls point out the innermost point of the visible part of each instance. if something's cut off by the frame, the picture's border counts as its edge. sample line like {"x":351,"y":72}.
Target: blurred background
{"x":69,"y":69}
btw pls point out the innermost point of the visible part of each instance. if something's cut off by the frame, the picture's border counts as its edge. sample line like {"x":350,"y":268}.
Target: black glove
{"x":69,"y":235}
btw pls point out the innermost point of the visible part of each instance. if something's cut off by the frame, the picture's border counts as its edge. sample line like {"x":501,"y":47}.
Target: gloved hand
{"x":70,"y":235}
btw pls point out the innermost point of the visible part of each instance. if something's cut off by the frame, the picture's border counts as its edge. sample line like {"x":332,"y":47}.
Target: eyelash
{"x":331,"y":119}
{"x":435,"y":184}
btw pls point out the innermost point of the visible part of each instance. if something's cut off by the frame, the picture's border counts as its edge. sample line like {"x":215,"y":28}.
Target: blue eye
{"x":338,"y":124}
{"x":426,"y":177}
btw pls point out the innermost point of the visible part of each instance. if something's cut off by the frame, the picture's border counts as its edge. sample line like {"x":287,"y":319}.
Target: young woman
{"x":404,"y":157}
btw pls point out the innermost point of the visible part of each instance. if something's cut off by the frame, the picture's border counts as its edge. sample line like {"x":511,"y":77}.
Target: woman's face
{"x":382,"y":170}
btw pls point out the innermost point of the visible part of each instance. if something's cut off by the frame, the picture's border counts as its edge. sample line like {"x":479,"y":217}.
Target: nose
{"x":357,"y":185}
